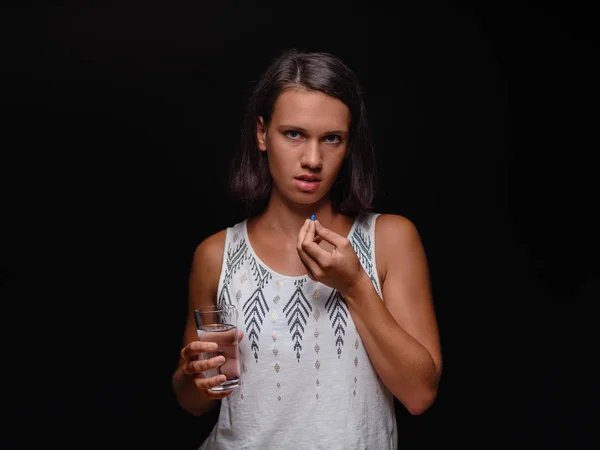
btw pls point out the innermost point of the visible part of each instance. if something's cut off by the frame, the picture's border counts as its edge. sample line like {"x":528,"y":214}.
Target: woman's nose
{"x":312,"y":156}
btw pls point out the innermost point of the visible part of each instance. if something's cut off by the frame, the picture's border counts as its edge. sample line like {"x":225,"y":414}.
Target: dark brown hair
{"x":354,"y":188}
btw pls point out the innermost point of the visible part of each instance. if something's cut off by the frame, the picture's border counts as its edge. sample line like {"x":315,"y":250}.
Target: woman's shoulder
{"x":209,"y":253}
{"x":394,"y":228}
{"x":393,"y":222}
{"x":395,"y":235}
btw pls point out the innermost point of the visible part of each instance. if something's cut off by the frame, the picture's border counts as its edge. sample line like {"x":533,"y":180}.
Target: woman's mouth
{"x":308,"y":184}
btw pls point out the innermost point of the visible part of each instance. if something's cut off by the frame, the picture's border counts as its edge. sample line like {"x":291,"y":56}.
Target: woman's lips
{"x":307,"y":186}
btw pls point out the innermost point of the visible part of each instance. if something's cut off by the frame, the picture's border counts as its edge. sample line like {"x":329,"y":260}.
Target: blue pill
{"x":312,"y":217}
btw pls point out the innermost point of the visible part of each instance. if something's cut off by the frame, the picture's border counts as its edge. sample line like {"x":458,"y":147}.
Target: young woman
{"x":336,"y":314}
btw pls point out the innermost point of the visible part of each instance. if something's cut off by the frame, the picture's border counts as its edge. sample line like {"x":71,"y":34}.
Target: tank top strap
{"x":363,"y":242}
{"x":234,"y":253}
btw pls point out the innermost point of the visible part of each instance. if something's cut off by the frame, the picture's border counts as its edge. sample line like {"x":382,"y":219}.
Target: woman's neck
{"x":285,"y":220}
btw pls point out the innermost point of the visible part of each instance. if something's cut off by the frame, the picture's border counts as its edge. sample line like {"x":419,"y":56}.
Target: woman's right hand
{"x":195,"y":367}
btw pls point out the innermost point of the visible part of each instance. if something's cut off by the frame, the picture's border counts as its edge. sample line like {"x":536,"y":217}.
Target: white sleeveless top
{"x":306,"y":379}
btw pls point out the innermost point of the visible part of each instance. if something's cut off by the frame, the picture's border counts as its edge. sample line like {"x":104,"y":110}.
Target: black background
{"x":118,"y":125}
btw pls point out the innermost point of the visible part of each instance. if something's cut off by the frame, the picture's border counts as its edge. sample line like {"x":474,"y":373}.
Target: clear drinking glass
{"x":218,"y":324}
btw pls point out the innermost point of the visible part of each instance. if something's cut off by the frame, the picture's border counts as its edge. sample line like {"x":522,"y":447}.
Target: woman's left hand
{"x":338,"y":268}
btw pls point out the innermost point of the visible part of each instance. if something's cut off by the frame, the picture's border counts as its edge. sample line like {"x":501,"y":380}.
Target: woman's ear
{"x":261,"y":134}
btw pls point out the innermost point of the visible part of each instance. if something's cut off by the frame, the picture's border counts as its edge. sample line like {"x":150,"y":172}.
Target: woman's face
{"x":306,"y":142}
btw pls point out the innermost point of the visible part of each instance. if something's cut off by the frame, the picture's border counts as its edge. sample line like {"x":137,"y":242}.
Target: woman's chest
{"x":290,"y":315}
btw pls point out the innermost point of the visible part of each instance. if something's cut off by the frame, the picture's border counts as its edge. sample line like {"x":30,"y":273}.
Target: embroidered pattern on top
{"x":296,"y":311}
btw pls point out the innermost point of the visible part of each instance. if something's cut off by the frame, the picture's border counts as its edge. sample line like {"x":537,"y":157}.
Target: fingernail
{"x":213,"y":346}
{"x":221,"y":359}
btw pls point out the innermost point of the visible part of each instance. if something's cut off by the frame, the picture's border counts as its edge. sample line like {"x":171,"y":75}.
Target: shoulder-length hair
{"x":250,"y":180}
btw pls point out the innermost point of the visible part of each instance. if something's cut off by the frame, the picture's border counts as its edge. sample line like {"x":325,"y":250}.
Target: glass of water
{"x":218,"y":324}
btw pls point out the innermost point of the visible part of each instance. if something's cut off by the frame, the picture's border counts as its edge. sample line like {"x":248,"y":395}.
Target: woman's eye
{"x":293,"y":134}
{"x":333,"y":139}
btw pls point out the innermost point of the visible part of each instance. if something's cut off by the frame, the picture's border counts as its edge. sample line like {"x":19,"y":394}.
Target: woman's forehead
{"x":311,"y":110}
